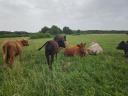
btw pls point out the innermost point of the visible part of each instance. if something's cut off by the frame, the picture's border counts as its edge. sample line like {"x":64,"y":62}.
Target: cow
{"x":11,"y":49}
{"x":123,"y":46}
{"x":52,"y":48}
{"x":78,"y":50}
{"x":94,"y":49}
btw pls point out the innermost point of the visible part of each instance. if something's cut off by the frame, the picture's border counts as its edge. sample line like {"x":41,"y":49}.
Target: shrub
{"x":39,"y":35}
{"x":12,"y":35}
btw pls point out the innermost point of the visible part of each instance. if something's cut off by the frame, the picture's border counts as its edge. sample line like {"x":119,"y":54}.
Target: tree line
{"x":53,"y":30}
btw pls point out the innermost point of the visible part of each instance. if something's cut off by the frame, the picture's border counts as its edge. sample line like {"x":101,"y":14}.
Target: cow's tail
{"x":42,"y":46}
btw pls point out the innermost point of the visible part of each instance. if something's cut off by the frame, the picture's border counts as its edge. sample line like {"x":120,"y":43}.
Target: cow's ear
{"x":122,"y":41}
{"x":78,"y":45}
{"x":22,"y":40}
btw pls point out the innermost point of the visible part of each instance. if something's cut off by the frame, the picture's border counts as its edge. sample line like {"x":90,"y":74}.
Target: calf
{"x":11,"y":49}
{"x":79,"y":50}
{"x":52,"y":48}
{"x":94,"y":49}
{"x":123,"y":46}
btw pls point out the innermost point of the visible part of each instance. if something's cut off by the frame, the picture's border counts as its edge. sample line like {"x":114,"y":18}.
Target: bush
{"x":12,"y":35}
{"x":39,"y":35}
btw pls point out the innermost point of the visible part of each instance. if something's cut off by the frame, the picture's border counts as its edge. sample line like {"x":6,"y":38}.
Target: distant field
{"x":102,"y":75}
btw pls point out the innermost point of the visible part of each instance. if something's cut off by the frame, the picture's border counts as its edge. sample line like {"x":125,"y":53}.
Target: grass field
{"x":102,"y":75}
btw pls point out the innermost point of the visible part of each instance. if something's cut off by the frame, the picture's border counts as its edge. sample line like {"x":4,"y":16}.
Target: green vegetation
{"x":102,"y":75}
{"x":39,"y":35}
{"x":8,"y":34}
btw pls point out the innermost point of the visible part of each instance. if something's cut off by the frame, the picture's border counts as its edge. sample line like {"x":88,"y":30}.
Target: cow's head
{"x":25,"y":42}
{"x":121,"y":45}
{"x":60,"y":37}
{"x":61,"y":43}
{"x":82,"y":49}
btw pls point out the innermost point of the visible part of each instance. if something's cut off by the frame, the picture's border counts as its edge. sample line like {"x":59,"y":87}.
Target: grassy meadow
{"x":102,"y":75}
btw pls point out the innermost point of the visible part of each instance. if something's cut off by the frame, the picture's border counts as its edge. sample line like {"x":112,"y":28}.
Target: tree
{"x":78,"y":32}
{"x":55,"y":30}
{"x":44,"y":29}
{"x":67,"y":30}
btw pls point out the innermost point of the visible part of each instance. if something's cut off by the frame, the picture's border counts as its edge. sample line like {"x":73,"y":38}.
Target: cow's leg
{"x":48,"y":59}
{"x":11,"y":57}
{"x":4,"y":57}
{"x":11,"y":62}
{"x":4,"y":61}
{"x":125,"y":52}
{"x":52,"y":60}
{"x":56,"y":56}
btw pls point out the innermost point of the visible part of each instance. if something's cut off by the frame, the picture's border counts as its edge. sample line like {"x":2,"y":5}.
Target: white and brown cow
{"x":95,"y":48}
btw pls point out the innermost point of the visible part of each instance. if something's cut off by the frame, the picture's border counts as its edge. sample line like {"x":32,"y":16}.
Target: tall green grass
{"x":102,"y":75}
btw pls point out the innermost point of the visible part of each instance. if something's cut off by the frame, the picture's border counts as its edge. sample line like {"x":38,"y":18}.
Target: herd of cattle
{"x":11,"y":49}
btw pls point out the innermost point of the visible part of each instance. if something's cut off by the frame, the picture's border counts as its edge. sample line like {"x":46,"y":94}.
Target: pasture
{"x":102,"y":75}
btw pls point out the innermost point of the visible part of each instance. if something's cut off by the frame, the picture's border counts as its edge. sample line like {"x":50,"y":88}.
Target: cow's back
{"x":71,"y":51}
{"x":51,"y":47}
{"x":12,"y":46}
{"x":95,"y":48}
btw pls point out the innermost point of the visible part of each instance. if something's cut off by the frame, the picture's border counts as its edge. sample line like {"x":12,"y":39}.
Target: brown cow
{"x":11,"y":49}
{"x":79,"y":49}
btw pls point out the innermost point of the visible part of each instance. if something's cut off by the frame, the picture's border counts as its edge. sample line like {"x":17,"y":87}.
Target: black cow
{"x":52,"y":48}
{"x":123,"y":46}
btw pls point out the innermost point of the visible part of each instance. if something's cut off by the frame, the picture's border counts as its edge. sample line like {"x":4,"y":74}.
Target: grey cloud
{"x":31,"y":15}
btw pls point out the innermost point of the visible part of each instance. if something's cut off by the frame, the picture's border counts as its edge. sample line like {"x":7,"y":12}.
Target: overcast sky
{"x":32,"y":15}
